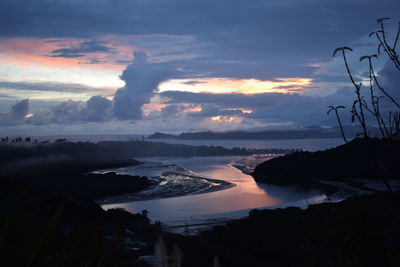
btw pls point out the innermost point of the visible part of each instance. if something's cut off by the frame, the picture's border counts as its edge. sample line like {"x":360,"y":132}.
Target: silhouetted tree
{"x":332,"y":108}
{"x":371,"y":106}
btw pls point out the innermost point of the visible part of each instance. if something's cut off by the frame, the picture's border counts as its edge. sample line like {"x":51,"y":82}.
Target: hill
{"x":356,"y":159}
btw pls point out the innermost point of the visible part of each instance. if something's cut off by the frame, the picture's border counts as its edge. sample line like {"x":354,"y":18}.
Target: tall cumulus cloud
{"x":142,"y":79}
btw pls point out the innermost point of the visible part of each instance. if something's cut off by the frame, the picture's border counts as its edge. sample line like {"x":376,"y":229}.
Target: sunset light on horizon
{"x":131,"y":64}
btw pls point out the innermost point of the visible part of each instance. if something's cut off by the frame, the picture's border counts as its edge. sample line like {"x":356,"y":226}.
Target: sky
{"x":141,"y":66}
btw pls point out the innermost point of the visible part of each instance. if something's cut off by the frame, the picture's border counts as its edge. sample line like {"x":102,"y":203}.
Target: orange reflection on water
{"x":245,"y":195}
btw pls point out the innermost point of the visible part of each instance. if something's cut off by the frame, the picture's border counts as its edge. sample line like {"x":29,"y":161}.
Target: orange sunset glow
{"x":229,"y":119}
{"x":35,"y":59}
{"x":243,"y":110}
{"x":243,"y":86}
{"x":27,"y":52}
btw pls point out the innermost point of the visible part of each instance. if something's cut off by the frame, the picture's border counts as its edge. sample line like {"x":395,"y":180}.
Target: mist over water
{"x":304,"y":144}
{"x":88,"y":138}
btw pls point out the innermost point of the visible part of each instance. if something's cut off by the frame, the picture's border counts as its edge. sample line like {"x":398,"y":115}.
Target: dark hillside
{"x":356,"y":159}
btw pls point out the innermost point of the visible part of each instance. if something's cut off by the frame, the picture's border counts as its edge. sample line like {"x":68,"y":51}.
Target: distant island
{"x":301,"y":133}
{"x":262,"y":135}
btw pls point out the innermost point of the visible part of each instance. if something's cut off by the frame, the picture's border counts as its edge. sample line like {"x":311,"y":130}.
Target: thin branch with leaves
{"x":371,"y":106}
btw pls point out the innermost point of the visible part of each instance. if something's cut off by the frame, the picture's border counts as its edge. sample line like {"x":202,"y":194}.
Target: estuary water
{"x":198,"y":208}
{"x":201,"y":191}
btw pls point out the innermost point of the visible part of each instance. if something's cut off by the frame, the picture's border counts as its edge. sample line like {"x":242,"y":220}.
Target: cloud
{"x":17,"y":113}
{"x":48,"y":87}
{"x":96,"y":109}
{"x":227,"y":111}
{"x":172,"y":111}
{"x":193,"y":39}
{"x":66,"y":112}
{"x":268,"y":107}
{"x":261,"y":39}
{"x":193,"y":82}
{"x":142,"y":79}
{"x":390,"y":79}
{"x":81,"y":49}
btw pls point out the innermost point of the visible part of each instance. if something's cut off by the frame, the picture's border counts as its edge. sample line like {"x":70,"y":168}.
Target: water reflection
{"x":247,"y":194}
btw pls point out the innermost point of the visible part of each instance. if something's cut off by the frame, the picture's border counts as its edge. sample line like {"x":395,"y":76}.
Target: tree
{"x":332,"y":108}
{"x":369,"y":104}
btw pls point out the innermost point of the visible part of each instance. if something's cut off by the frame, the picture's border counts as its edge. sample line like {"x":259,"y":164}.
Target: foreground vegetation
{"x":41,"y":228}
{"x":360,"y":231}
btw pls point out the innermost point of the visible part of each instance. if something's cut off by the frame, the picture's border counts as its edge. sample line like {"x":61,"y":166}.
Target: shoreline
{"x":222,"y":185}
{"x":131,"y":197}
{"x":331,"y":192}
{"x":334,"y":190}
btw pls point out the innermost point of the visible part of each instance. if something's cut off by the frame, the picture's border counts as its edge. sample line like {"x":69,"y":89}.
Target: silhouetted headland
{"x":263,"y":135}
{"x":311,"y":132}
{"x":358,"y":159}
